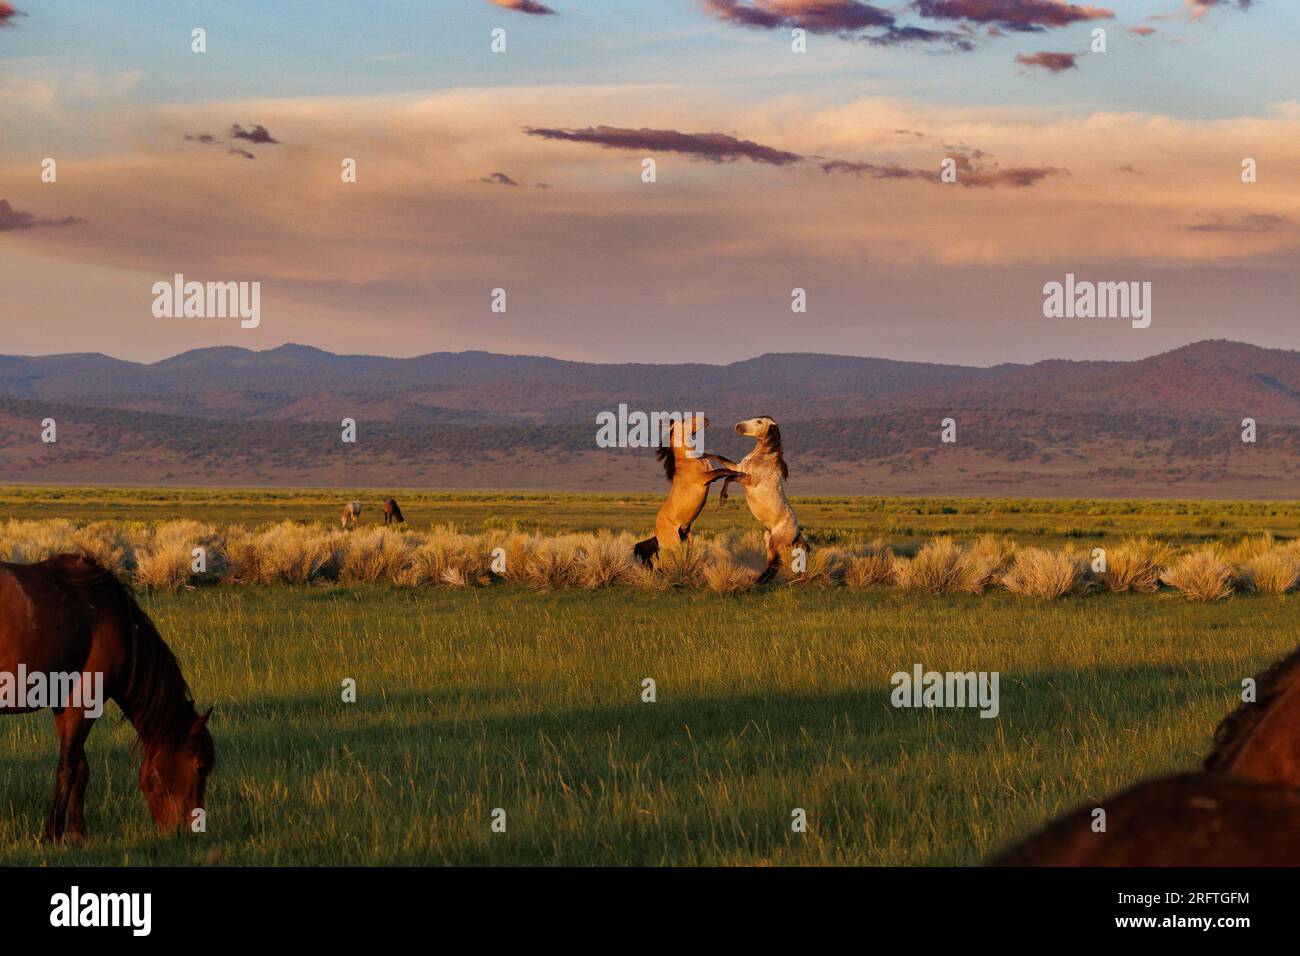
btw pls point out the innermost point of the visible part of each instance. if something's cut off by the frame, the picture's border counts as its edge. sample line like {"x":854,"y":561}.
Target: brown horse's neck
{"x":156,"y":699}
{"x":1237,"y":729}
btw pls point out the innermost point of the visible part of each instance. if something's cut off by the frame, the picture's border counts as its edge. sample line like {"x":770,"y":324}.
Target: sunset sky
{"x":776,"y":170}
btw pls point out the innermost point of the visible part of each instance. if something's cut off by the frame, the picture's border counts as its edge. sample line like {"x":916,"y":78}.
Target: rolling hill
{"x":1165,"y":425}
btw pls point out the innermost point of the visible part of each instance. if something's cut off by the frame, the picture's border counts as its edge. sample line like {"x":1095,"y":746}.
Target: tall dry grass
{"x":1202,"y":575}
{"x":943,"y":566}
{"x":161,"y":555}
{"x":1037,"y":572}
{"x":1136,"y":564}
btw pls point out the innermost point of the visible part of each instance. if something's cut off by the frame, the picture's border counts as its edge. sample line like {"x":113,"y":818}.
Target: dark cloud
{"x":1205,"y":5}
{"x":846,"y":18}
{"x":525,"y":6}
{"x":714,"y":147}
{"x":1021,"y":16}
{"x":719,"y":147}
{"x":969,"y":173}
{"x":898,"y":36}
{"x":1056,"y":62}
{"x":498,"y":179}
{"x":206,"y":138}
{"x":815,"y":16}
{"x":14,"y":220}
{"x":1128,"y":168}
{"x":242,"y":152}
{"x":258,"y":134}
{"x":8,"y":13}
{"x":1254,"y":222}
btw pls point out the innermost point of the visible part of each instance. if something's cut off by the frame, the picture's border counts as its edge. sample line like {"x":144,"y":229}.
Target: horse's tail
{"x":397,"y":512}
{"x":646,"y":550}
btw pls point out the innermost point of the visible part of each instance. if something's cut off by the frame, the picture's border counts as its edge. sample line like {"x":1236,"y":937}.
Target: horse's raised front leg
{"x":709,"y":456}
{"x":716,"y":473}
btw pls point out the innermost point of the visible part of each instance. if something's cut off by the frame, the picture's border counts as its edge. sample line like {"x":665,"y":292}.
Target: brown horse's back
{"x":1190,"y":819}
{"x":50,"y":618}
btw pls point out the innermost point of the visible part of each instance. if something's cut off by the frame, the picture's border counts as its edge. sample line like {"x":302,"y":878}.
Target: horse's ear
{"x":202,"y":721}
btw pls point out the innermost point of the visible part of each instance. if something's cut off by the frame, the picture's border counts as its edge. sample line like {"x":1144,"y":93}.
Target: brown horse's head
{"x":173,"y":780}
{"x":680,"y":435}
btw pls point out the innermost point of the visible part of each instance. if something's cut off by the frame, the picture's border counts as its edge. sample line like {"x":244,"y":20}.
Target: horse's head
{"x":760,"y":427}
{"x":173,"y":781}
{"x":768,"y":435}
{"x":683,"y":429}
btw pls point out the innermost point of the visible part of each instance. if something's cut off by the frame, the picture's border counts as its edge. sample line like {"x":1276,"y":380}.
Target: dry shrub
{"x":727,"y":577}
{"x":874,"y":568}
{"x":942,"y":566}
{"x":1247,"y":548}
{"x":165,"y":554}
{"x":606,"y":559}
{"x":1201,"y":576}
{"x":286,"y":553}
{"x":1272,"y":572}
{"x":555,"y":563}
{"x":1038,"y":572}
{"x":518,"y":547}
{"x":1136,"y":564}
{"x":110,"y":543}
{"x":682,"y":567}
{"x":825,"y":567}
{"x":373,"y":554}
{"x":984,"y":561}
{"x":443,"y":556}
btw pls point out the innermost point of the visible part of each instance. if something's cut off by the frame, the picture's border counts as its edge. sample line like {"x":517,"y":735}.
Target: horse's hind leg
{"x":773,"y":561}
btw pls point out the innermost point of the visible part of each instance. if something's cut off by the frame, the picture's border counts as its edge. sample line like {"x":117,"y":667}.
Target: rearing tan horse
{"x":691,"y":476}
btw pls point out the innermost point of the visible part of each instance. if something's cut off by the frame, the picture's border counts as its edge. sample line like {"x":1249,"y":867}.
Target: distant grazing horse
{"x":762,"y":474}
{"x":690,"y":477}
{"x":391,"y":511}
{"x":1243,"y":810}
{"x":69,"y":615}
{"x":351,"y":513}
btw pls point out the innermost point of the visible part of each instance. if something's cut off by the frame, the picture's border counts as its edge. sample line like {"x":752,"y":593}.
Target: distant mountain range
{"x":1165,"y":425}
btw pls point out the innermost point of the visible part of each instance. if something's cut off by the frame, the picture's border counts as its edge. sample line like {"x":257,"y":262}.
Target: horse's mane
{"x":665,"y":454}
{"x":157,"y":700}
{"x":772,"y":444}
{"x":1234,"y":730}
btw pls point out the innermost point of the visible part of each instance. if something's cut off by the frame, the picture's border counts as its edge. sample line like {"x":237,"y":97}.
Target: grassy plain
{"x":472,"y":699}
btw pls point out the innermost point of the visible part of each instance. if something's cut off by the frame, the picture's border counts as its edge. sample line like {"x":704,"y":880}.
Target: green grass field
{"x":473,"y":699}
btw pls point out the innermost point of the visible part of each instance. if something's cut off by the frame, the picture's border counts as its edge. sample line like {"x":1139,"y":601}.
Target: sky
{"x":775,"y":170}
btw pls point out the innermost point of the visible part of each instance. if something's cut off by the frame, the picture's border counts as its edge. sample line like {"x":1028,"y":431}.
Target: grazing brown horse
{"x":69,"y":615}
{"x":1191,"y":819}
{"x":690,"y":477}
{"x":1243,"y":810}
{"x":391,"y":511}
{"x":763,"y":474}
{"x":1261,"y":740}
